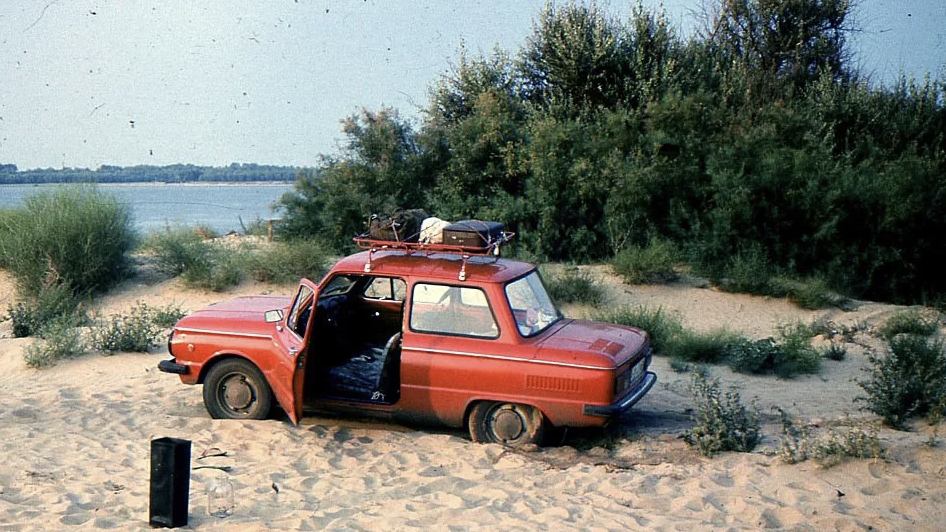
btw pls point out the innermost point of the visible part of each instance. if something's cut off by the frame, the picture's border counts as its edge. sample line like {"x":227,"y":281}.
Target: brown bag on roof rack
{"x":402,"y":225}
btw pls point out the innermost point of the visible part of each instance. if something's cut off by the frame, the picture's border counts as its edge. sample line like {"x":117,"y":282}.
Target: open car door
{"x":292,"y":342}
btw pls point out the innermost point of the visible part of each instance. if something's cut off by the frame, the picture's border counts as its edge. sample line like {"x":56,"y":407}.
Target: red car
{"x":426,"y":334}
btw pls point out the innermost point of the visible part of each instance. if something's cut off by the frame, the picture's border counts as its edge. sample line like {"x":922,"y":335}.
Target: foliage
{"x":911,"y":321}
{"x":723,"y":423}
{"x":287,"y":262}
{"x":651,"y":265}
{"x":910,"y":379}
{"x":53,"y":302}
{"x":201,"y":264}
{"x":753,"y":147}
{"x":75,"y":236}
{"x":574,"y":286}
{"x":60,"y":338}
{"x":135,"y":331}
{"x":797,"y":445}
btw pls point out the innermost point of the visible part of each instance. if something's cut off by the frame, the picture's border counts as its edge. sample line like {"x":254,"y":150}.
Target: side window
{"x":298,"y":318}
{"x":386,"y":288}
{"x":454,"y":310}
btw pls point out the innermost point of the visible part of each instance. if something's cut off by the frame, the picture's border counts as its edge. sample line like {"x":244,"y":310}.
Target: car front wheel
{"x":510,"y":424}
{"x":235,"y":389}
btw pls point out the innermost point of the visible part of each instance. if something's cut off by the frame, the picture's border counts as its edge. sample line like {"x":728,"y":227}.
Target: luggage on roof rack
{"x":483,"y":247}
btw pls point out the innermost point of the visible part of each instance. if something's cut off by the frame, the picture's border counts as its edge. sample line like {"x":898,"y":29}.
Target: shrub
{"x":165,"y":317}
{"x":723,"y":423}
{"x":810,"y":294}
{"x":753,"y":356}
{"x":178,"y":250}
{"x":29,"y":316}
{"x":911,"y":321}
{"x":75,"y":236}
{"x":796,"y":352}
{"x":710,"y":348}
{"x":135,"y":331}
{"x":790,"y":355}
{"x":574,"y":286}
{"x":651,"y":265}
{"x":287,"y":262}
{"x":909,"y":380}
{"x":59,"y":338}
{"x":200,"y":264}
{"x":748,"y":272}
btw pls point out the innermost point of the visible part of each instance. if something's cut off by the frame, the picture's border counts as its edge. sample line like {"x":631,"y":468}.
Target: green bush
{"x":702,"y":348}
{"x":651,"y":265}
{"x":287,"y":262}
{"x":911,"y":321}
{"x":748,"y":272}
{"x":723,"y":423}
{"x":60,"y":338}
{"x":186,"y":253}
{"x":809,"y":294}
{"x":75,"y":236}
{"x":165,"y":317}
{"x":57,"y":300}
{"x":910,"y":379}
{"x":178,"y":250}
{"x":574,"y":286}
{"x":790,"y":355}
{"x":136,"y":331}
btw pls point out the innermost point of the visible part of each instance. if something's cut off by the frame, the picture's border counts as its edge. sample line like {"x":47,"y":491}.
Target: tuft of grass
{"x":574,"y":286}
{"x":797,"y":445}
{"x":910,"y":379}
{"x":723,"y":423}
{"x":287,"y":262}
{"x":797,"y":355}
{"x":748,"y":272}
{"x":911,"y":321}
{"x":835,"y":351}
{"x":52,"y":302}
{"x":76,"y":236}
{"x":60,"y":338}
{"x":651,"y":265}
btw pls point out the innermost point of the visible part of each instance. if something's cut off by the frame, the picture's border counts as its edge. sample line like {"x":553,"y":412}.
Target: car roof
{"x":435,"y":267}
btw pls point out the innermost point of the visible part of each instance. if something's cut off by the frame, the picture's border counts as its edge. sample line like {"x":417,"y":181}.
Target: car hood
{"x":592,"y":343}
{"x":240,"y":315}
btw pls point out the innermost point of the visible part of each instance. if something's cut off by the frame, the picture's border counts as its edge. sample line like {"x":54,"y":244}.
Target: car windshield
{"x":531,"y":305}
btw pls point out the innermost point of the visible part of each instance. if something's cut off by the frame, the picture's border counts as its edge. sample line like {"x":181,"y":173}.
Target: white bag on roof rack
{"x":431,"y":230}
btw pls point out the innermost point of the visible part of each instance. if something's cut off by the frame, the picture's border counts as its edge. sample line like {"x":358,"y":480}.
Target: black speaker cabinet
{"x":170,"y":482}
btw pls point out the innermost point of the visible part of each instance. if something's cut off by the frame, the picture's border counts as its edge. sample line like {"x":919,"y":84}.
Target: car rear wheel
{"x":235,"y":389}
{"x":510,"y":424}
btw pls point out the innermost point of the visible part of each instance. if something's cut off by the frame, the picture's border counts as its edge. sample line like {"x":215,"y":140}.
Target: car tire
{"x":509,"y":424}
{"x":236,"y":389}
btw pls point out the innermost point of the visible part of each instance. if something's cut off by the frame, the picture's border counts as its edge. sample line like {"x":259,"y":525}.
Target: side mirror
{"x":272,"y":316}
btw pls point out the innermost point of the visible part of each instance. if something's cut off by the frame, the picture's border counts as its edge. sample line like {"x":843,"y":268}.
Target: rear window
{"x":453,"y":310}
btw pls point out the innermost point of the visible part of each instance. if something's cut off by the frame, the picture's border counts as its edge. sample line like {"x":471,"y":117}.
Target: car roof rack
{"x":465,"y":252}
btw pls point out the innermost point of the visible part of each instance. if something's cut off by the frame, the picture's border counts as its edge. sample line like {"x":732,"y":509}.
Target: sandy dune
{"x":75,"y":443}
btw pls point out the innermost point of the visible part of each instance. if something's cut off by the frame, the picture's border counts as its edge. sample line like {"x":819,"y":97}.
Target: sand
{"x":75,"y":448}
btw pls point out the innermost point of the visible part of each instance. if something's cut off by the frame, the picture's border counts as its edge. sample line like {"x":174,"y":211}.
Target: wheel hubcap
{"x":507,"y":424}
{"x":238,"y":394}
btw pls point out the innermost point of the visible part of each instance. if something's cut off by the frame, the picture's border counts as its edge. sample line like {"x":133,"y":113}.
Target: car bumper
{"x":650,"y":378}
{"x":171,"y":366}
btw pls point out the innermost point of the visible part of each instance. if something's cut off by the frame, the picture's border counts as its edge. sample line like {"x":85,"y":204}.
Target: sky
{"x":85,"y":83}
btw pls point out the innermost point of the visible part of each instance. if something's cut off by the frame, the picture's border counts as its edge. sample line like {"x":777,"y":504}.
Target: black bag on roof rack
{"x":473,"y":233}
{"x":402,"y":225}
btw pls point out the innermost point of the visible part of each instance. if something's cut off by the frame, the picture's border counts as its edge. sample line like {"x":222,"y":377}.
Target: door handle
{"x":293,"y":351}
